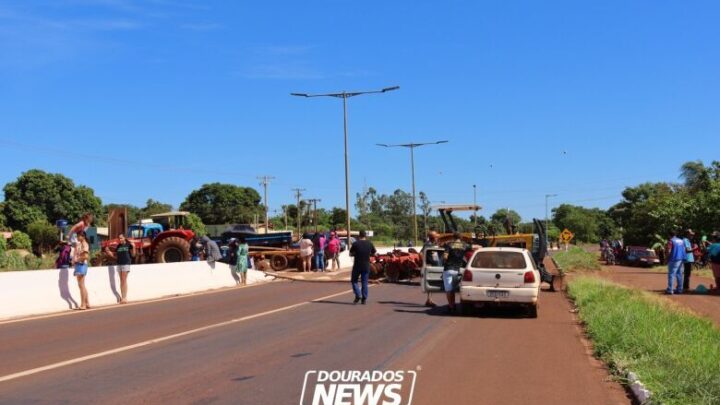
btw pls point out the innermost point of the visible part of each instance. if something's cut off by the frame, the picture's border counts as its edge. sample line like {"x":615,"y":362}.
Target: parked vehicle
{"x":160,"y":240}
{"x":501,"y":276}
{"x":640,"y":256}
{"x":271,"y":239}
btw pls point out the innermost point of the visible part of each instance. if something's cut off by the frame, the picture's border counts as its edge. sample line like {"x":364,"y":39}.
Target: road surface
{"x":254,"y":345}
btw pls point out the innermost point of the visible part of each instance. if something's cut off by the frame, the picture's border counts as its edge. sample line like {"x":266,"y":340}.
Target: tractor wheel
{"x":278,"y":262}
{"x":172,"y":250}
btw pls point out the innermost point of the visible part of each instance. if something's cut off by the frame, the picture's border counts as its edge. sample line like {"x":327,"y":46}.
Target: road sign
{"x":566,"y":236}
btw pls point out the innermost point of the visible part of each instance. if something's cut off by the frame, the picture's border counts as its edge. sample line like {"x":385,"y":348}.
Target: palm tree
{"x":695,"y":175}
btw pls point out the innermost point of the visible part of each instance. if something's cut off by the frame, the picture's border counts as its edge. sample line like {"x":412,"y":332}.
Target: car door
{"x":433,"y":265}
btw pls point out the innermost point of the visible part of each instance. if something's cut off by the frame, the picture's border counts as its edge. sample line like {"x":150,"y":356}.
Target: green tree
{"x":502,"y":215}
{"x":338,"y":216}
{"x":20,"y":240}
{"x":153,"y":207}
{"x":43,"y":234}
{"x":3,"y":220}
{"x":196,"y":224}
{"x":37,"y":195}
{"x":217,"y":203}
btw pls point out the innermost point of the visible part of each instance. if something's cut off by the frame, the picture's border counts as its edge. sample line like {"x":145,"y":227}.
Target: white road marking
{"x":159,"y":340}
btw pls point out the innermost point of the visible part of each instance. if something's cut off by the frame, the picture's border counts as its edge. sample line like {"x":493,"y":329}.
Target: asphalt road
{"x":226,"y":347}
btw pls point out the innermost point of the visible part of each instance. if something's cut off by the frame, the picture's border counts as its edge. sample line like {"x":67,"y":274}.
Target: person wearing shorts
{"x":333,"y":248}
{"x":454,"y":258}
{"x":306,"y":252}
{"x":81,"y":254}
{"x":124,"y":254}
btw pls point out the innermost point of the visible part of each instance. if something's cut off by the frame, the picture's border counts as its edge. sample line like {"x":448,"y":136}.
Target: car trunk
{"x":498,"y":269}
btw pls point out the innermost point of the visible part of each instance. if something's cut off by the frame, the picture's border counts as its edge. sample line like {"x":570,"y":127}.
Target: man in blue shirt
{"x":689,"y":260}
{"x":676,"y":257}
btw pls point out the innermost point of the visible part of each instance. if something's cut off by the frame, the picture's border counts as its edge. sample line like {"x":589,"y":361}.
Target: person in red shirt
{"x":333,"y":248}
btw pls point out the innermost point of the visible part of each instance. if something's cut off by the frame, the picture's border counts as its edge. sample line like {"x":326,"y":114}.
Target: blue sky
{"x":151,"y":99}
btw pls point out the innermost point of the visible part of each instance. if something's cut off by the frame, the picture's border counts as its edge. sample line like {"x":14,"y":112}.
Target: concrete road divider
{"x":35,"y":292}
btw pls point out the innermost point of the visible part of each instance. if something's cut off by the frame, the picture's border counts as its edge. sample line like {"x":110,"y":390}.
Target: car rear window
{"x":499,"y":260}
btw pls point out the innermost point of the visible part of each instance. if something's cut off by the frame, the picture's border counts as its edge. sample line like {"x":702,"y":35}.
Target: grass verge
{"x":674,"y":353}
{"x":576,"y":259}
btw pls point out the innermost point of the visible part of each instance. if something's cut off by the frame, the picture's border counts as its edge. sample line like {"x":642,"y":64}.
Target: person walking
{"x":333,"y":249}
{"x":124,"y":254}
{"x":676,"y":257}
{"x":454,"y":257}
{"x":241,"y":263}
{"x":361,"y":250}
{"x":306,"y":251}
{"x":319,"y":250}
{"x":81,"y":254}
{"x":689,"y":258}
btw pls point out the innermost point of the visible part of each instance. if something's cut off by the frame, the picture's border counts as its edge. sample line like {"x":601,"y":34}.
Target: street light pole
{"x":345,"y":95}
{"x":546,"y":217}
{"x":412,"y":147}
{"x":475,"y":204}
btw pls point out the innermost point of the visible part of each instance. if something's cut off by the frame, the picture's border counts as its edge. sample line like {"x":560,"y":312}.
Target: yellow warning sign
{"x":566,"y":236}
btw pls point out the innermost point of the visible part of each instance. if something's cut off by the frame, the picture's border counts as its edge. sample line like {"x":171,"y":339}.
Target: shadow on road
{"x":334,"y":302}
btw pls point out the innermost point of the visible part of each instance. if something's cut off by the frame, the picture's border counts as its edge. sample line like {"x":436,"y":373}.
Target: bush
{"x":577,"y":259}
{"x":43,"y":235}
{"x":33,"y":262}
{"x":20,"y":240}
{"x":3,"y":246}
{"x":13,"y":261}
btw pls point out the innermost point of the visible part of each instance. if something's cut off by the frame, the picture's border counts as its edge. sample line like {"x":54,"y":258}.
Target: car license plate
{"x":498,"y":294}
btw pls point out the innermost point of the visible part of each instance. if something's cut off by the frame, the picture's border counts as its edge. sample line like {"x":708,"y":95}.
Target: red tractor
{"x":160,"y":240}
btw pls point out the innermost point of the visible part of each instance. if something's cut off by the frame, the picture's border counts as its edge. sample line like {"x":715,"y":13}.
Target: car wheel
{"x":533,"y":311}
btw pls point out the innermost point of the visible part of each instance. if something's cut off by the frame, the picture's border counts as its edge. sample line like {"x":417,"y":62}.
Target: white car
{"x":501,"y":276}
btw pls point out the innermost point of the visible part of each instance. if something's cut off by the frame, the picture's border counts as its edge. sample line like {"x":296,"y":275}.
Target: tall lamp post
{"x":344,"y":96}
{"x":412,"y":147}
{"x":475,"y":204}
{"x":546,"y":217}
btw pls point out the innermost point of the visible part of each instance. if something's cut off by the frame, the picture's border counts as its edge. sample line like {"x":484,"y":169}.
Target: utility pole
{"x":284,"y":208}
{"x":475,"y":204}
{"x":314,"y":202}
{"x":298,"y":194}
{"x":264,"y":181}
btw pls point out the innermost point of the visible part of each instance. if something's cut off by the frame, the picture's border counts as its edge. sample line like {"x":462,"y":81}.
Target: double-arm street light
{"x":344,"y":96}
{"x":412,"y":147}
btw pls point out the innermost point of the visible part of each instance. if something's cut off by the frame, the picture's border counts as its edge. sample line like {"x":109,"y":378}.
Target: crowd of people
{"x":317,"y":251}
{"x":683,"y":252}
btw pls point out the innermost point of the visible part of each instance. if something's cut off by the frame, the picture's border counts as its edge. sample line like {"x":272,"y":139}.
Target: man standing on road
{"x":212,"y":251}
{"x":333,"y":248}
{"x":689,"y":258}
{"x":361,"y":250}
{"x":676,"y":257}
{"x":454,"y":261}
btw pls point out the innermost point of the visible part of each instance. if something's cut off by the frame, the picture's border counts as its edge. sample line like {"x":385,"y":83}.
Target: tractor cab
{"x":172,"y":220}
{"x":144,"y":230}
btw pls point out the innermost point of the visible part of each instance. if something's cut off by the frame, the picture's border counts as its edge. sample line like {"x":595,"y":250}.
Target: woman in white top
{"x":306,"y":252}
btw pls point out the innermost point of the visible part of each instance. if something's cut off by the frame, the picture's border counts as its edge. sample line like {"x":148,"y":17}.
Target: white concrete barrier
{"x":34,"y":292}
